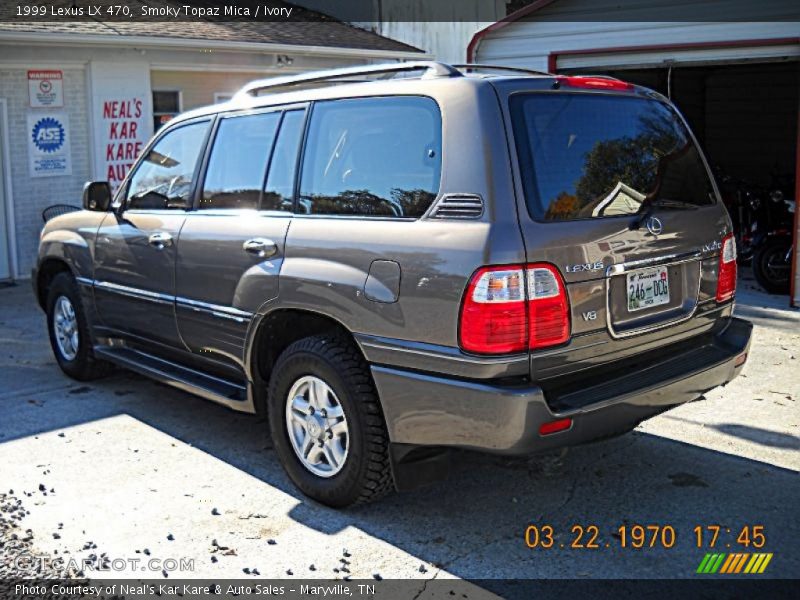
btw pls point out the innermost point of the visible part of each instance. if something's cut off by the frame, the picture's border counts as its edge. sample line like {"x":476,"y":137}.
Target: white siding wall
{"x":446,"y":42}
{"x":442,"y":28}
{"x":31,"y":195}
{"x":529,"y":43}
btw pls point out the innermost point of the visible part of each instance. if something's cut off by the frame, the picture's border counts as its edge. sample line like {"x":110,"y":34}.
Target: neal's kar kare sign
{"x":48,"y":145}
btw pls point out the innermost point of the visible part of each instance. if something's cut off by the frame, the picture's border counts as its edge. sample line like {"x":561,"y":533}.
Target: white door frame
{"x":5,"y":152}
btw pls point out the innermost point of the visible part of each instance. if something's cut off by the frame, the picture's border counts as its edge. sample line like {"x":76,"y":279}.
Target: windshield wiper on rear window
{"x":668,"y":203}
{"x":648,"y":206}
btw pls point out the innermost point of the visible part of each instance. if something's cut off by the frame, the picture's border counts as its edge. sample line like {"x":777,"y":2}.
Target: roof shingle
{"x":307,"y":28}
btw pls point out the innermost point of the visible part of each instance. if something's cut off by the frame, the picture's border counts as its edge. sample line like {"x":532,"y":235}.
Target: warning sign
{"x":46,"y":89}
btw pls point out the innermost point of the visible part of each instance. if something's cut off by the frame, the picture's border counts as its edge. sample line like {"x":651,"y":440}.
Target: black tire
{"x":771,"y":252}
{"x":83,"y":366}
{"x":366,"y":473}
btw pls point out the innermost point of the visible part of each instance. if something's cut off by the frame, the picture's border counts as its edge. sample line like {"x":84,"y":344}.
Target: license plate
{"x":647,"y":288}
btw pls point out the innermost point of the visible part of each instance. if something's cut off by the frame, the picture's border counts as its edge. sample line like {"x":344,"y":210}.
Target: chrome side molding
{"x":222,"y":312}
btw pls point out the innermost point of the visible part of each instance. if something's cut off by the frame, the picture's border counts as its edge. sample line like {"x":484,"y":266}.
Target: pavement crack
{"x":426,"y":581}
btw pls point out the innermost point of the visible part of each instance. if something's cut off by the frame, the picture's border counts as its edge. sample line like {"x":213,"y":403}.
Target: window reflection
{"x":238,"y":161}
{"x":163,"y":180}
{"x":585,"y":156}
{"x":372,"y":157}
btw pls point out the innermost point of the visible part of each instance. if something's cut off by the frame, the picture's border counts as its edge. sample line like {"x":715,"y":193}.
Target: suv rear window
{"x":592,"y":156}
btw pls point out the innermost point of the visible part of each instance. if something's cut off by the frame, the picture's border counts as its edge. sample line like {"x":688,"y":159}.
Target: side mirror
{"x":97,"y":196}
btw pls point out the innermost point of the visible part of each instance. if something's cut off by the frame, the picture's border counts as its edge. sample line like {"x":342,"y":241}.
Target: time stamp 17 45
{"x":728,"y":550}
{"x":647,"y":536}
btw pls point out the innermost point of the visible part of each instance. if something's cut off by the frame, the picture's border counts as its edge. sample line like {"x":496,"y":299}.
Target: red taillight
{"x":548,"y":309}
{"x":726,"y":278}
{"x":494,"y":317}
{"x":555,"y":426}
{"x":501,"y":314}
{"x":597,"y":83}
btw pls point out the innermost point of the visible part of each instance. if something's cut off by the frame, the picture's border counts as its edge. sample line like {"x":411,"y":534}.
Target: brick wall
{"x":31,"y":195}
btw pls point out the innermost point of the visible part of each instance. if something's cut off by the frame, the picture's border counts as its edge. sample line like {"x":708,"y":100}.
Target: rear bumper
{"x":427,"y":410}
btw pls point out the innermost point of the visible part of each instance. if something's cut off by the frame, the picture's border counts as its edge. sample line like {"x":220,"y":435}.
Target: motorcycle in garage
{"x":772,"y":247}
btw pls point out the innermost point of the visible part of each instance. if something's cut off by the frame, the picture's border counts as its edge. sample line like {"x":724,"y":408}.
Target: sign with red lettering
{"x":122,"y":117}
{"x":122,"y":135}
{"x":46,"y":89}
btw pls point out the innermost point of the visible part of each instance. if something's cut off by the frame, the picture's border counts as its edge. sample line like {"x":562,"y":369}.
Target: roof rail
{"x":431,"y":68}
{"x":483,"y":67}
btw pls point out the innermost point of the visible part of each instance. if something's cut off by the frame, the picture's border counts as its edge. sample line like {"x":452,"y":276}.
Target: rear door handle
{"x":261,"y":247}
{"x":160,"y":240}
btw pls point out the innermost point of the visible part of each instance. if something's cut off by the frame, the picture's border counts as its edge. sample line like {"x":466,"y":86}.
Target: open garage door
{"x":745,"y":115}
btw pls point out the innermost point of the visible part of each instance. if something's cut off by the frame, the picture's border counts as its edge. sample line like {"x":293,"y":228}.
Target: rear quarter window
{"x":594,"y":156}
{"x":378,"y":157}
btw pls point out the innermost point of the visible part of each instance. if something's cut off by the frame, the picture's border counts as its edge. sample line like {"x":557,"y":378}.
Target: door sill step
{"x":222,"y":391}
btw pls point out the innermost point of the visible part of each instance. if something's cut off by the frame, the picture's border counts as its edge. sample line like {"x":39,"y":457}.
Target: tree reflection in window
{"x":163,"y":180}
{"x":604,"y":156}
{"x":374,"y":157}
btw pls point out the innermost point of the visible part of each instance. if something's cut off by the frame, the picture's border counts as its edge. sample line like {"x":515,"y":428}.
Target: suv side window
{"x":372,"y":157}
{"x":279,"y":191}
{"x":163,"y":180}
{"x":238,"y":161}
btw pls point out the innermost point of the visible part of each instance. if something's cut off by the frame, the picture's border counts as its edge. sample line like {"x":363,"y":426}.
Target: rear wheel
{"x":69,"y":332}
{"x":326,"y":422}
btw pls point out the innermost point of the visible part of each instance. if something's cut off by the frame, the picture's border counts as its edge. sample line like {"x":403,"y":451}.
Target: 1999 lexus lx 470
{"x":392,"y":261}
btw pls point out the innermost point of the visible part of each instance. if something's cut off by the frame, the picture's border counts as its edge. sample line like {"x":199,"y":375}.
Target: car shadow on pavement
{"x":765,"y":437}
{"x":751,"y":433}
{"x":473,"y":523}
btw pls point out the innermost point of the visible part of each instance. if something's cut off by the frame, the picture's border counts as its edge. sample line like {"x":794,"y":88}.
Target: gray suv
{"x":395,"y":261}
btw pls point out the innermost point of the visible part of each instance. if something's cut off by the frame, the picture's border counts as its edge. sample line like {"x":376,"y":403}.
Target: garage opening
{"x":746,"y":119}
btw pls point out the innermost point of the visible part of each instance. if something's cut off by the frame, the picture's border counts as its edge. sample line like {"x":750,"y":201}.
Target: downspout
{"x":794,"y":292}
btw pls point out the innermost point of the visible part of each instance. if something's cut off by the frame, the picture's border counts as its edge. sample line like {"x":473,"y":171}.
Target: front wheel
{"x":326,"y":422}
{"x":771,"y":268}
{"x":69,"y":332}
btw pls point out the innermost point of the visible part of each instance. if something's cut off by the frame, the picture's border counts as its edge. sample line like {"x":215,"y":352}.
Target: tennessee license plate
{"x":647,"y":288}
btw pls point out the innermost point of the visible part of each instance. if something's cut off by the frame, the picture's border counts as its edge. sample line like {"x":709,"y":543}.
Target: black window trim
{"x":199,"y":175}
{"x":209,"y":147}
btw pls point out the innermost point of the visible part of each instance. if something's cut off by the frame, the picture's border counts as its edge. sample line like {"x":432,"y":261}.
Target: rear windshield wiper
{"x":669,"y":203}
{"x":649,"y":206}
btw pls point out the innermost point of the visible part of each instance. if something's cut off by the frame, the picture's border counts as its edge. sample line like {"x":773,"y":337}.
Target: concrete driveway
{"x":125,"y":468}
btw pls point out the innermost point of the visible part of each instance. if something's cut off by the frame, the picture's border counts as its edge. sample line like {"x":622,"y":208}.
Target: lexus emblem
{"x":654,"y":225}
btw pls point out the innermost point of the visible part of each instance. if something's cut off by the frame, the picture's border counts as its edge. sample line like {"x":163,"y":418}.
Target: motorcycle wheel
{"x":770,"y":267}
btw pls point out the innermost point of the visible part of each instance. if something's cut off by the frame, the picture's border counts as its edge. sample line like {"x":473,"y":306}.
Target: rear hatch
{"x":615,"y":193}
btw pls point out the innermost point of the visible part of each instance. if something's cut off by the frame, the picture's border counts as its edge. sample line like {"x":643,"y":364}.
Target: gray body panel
{"x":220,"y":286}
{"x":426,"y":410}
{"x":396,"y":284}
{"x":135,"y":280}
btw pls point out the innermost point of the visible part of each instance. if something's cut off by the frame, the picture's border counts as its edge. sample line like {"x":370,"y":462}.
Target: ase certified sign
{"x":48,"y":144}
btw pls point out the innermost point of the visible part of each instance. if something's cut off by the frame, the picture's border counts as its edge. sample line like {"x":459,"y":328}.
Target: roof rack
{"x":431,"y":68}
{"x":482,"y":67}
